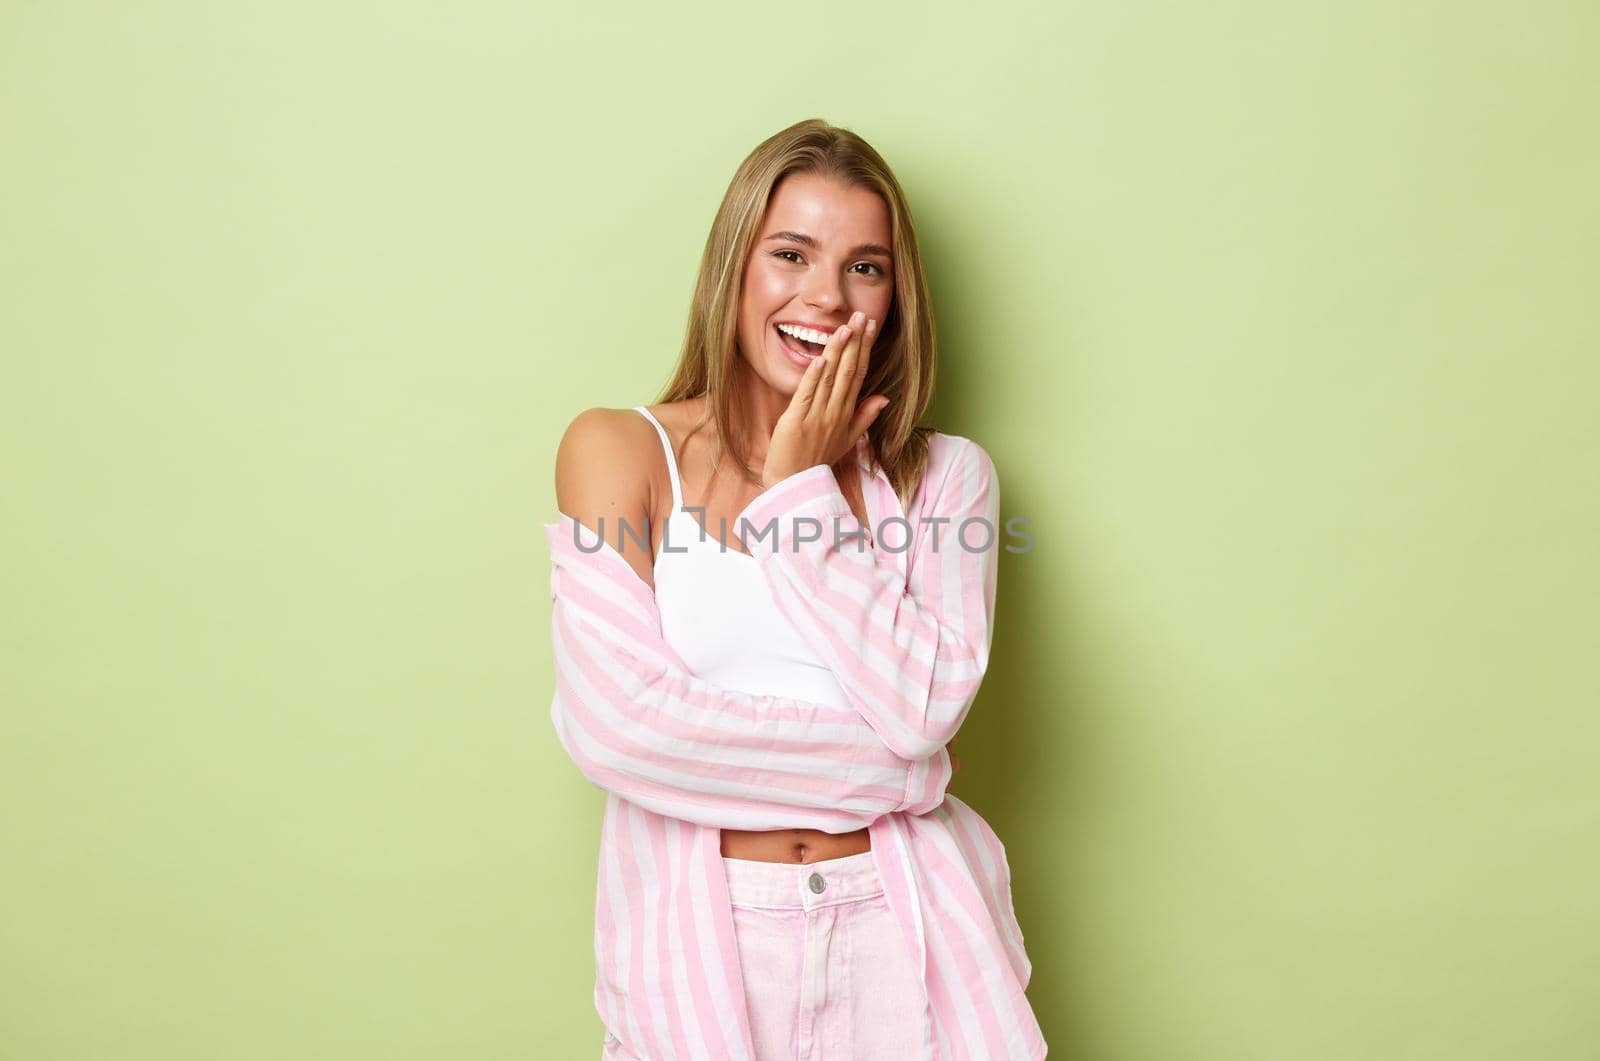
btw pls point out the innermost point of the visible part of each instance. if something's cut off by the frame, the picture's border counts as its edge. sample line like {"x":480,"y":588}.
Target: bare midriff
{"x":792,"y":845}
{"x":720,"y":505}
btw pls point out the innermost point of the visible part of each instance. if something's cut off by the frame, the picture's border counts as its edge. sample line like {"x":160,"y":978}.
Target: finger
{"x":830,"y":365}
{"x":842,"y":398}
{"x":868,"y":338}
{"x":806,"y":393}
{"x":863,"y":364}
{"x":866,"y":413}
{"x":850,"y":404}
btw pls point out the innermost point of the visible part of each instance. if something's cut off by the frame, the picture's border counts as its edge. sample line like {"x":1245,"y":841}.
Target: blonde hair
{"x":903,"y":355}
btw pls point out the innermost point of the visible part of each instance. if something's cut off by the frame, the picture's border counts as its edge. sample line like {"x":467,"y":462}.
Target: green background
{"x":1279,"y":321}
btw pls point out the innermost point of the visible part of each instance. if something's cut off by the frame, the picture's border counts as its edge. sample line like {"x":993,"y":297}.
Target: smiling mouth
{"x":797,"y":346}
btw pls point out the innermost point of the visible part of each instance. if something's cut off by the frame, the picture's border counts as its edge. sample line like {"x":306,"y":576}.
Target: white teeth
{"x":807,"y":334}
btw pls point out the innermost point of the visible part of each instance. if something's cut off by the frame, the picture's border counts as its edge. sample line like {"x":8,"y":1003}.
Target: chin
{"x":776,"y":371}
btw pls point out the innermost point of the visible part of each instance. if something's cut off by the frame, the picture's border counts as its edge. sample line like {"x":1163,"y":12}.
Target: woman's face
{"x":823,"y":252}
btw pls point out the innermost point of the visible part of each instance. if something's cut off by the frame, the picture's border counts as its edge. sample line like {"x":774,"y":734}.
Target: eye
{"x":878,"y":269}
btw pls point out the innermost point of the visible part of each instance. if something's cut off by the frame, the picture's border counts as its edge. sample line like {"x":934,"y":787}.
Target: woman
{"x":811,"y":294}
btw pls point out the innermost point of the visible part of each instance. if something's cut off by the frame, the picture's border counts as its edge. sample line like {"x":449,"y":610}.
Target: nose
{"x":824,"y":293}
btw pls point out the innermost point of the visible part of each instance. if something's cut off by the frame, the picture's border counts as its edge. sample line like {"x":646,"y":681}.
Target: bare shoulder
{"x":680,"y":418}
{"x":615,"y":432}
{"x":603,"y":477}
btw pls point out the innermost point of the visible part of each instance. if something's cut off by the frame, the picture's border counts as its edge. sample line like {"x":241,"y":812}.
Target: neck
{"x":763,"y":408}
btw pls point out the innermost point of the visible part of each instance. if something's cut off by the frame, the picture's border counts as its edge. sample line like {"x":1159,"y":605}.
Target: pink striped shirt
{"x":904,"y":615}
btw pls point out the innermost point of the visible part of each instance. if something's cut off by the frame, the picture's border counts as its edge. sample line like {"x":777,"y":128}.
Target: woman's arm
{"x":910,"y":656}
{"x":638,"y":723}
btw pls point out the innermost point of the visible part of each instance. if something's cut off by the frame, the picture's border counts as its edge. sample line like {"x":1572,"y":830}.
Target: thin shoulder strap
{"x":672,"y":462}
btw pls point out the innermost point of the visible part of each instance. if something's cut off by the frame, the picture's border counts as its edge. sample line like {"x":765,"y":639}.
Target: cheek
{"x":881,"y":302}
{"x":769,"y":287}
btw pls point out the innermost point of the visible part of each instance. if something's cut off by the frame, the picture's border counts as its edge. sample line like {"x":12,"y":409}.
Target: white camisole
{"x":719,"y":616}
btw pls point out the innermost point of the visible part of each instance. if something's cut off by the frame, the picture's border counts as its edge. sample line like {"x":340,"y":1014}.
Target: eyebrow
{"x":805,"y":240}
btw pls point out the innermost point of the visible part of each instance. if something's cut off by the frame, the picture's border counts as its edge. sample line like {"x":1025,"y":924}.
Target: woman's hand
{"x":822,"y":422}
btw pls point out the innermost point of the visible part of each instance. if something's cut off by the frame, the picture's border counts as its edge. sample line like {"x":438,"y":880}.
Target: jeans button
{"x":817,"y":883}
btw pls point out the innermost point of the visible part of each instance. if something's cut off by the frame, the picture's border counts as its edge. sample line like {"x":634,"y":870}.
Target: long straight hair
{"x":904,"y":353}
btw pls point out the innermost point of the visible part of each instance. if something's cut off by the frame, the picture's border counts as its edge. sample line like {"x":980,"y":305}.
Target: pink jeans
{"x":827,"y":973}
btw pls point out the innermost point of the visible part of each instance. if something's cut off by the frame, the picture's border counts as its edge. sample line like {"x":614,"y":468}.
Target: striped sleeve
{"x":638,"y":723}
{"x":910,"y":656}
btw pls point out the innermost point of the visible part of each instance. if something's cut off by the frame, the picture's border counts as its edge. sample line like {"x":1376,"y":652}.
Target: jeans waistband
{"x":802,"y":885}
